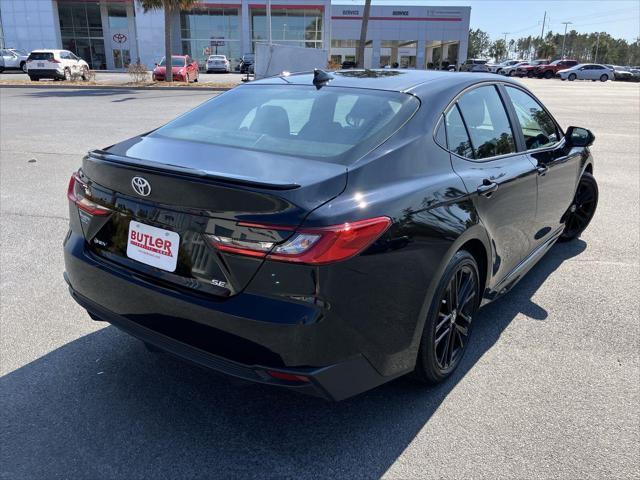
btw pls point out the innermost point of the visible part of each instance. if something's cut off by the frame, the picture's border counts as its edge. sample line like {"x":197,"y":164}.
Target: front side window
{"x":457,"y":138}
{"x":332,"y":124}
{"x":487,"y":122}
{"x":538,"y":128}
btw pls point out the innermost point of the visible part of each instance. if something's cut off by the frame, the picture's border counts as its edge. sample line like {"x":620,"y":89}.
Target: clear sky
{"x":619,"y":18}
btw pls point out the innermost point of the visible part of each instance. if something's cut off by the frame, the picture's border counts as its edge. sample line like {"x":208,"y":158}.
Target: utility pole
{"x":505,"y":43}
{"x":544,"y":20}
{"x":564,"y":37}
{"x":595,"y":60}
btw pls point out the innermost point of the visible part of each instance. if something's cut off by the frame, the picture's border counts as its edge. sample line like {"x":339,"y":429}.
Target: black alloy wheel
{"x":582,"y":209}
{"x":448,"y":327}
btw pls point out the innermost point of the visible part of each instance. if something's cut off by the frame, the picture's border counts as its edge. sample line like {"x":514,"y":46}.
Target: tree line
{"x":596,"y":47}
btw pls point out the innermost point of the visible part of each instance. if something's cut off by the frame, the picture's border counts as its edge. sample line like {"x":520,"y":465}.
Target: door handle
{"x":487,"y":187}
{"x":542,"y":170}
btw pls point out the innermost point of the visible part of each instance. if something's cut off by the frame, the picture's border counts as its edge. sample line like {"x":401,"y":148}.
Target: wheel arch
{"x":475,"y":240}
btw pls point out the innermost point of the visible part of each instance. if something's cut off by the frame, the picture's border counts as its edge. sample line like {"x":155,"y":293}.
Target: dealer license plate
{"x":153,"y":246}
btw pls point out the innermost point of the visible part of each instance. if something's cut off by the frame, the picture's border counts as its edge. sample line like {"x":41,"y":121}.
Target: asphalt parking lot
{"x":549,"y":387}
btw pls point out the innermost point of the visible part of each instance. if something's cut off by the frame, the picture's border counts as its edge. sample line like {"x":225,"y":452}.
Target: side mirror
{"x":579,"y":137}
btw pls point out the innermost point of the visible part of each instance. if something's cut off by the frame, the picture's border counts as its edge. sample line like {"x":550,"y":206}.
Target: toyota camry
{"x":327,"y":232}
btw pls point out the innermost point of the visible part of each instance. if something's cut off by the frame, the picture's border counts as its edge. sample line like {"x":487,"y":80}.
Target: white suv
{"x":56,"y":64}
{"x":14,"y":59}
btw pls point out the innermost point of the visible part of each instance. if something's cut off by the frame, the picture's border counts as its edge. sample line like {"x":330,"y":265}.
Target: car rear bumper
{"x":217,"y":68}
{"x":233,"y":336}
{"x":45,"y":73}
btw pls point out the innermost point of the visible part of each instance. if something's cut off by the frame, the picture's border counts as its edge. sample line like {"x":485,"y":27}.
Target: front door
{"x":557,"y":165}
{"x":501,"y":180}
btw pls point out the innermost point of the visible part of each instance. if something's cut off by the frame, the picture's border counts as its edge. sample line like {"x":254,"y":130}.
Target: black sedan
{"x":327,"y":232}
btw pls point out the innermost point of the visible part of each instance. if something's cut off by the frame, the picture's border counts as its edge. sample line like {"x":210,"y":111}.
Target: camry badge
{"x":141,"y":186}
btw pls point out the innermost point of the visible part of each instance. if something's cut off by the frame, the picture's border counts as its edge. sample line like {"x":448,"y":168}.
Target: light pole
{"x":269,"y":21}
{"x":564,"y":37}
{"x":595,"y":60}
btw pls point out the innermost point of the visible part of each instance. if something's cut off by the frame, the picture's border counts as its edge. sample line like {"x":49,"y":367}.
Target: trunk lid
{"x":197,"y":189}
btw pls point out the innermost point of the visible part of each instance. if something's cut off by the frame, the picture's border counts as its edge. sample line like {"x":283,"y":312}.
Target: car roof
{"x":48,"y":50}
{"x":387,"y":79}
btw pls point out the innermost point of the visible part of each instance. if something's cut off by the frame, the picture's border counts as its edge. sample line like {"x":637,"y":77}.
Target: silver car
{"x":586,"y":71}
{"x":218,"y":63}
{"x":14,"y":59}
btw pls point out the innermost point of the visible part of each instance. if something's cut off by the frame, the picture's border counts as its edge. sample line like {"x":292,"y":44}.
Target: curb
{"x":43,"y":86}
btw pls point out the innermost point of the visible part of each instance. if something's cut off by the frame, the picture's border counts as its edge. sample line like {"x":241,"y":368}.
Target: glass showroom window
{"x":81,"y":31}
{"x":210,"y":31}
{"x":300,"y":27}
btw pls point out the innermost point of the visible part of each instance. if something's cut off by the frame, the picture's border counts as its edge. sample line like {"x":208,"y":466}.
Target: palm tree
{"x":169,"y":6}
{"x":363,"y":34}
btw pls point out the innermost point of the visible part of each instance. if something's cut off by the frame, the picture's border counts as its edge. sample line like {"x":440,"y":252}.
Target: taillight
{"x":78,"y":191}
{"x":314,"y":246}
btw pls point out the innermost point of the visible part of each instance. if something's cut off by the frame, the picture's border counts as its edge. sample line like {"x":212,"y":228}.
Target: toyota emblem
{"x":141,"y":186}
{"x":119,"y":38}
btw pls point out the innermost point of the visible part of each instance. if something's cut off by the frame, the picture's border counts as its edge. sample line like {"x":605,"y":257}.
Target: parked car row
{"x":565,"y":69}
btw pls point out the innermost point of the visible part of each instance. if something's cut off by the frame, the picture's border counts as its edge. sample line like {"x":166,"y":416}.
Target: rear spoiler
{"x":164,"y":167}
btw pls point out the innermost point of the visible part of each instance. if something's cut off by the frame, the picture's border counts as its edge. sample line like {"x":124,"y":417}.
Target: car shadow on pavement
{"x":103,"y":407}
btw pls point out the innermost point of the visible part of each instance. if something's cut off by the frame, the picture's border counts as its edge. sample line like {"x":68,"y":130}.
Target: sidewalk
{"x":122,"y":79}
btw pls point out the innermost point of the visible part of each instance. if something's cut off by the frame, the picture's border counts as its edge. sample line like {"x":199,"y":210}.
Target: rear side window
{"x":40,"y":56}
{"x":487,"y":122}
{"x":457,"y":138}
{"x":332,"y":124}
{"x":537,"y":126}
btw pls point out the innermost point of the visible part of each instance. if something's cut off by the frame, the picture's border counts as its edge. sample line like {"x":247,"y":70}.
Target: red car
{"x":550,"y":70}
{"x":529,"y":70}
{"x":184,"y":69}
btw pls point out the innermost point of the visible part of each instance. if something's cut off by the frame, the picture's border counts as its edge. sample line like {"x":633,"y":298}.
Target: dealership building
{"x":110,"y":34}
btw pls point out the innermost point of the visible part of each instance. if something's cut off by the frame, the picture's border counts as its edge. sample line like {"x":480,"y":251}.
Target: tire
{"x":85,"y":74}
{"x":604,"y":77}
{"x":23,"y":67}
{"x":582,"y":209}
{"x":67,"y":75}
{"x":572,"y":77}
{"x":548,"y":74}
{"x":500,"y":71}
{"x":447,"y":329}
{"x":529,"y":74}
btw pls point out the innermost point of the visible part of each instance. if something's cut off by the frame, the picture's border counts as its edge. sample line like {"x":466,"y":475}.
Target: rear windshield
{"x":40,"y":56}
{"x":333,"y":124}
{"x":175,"y":62}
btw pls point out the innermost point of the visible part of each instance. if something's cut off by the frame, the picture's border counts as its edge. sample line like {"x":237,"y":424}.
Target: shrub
{"x":138,"y":73}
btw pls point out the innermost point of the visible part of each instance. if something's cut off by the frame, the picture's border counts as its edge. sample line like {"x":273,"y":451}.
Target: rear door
{"x":501,"y":180}
{"x":557,"y":166}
